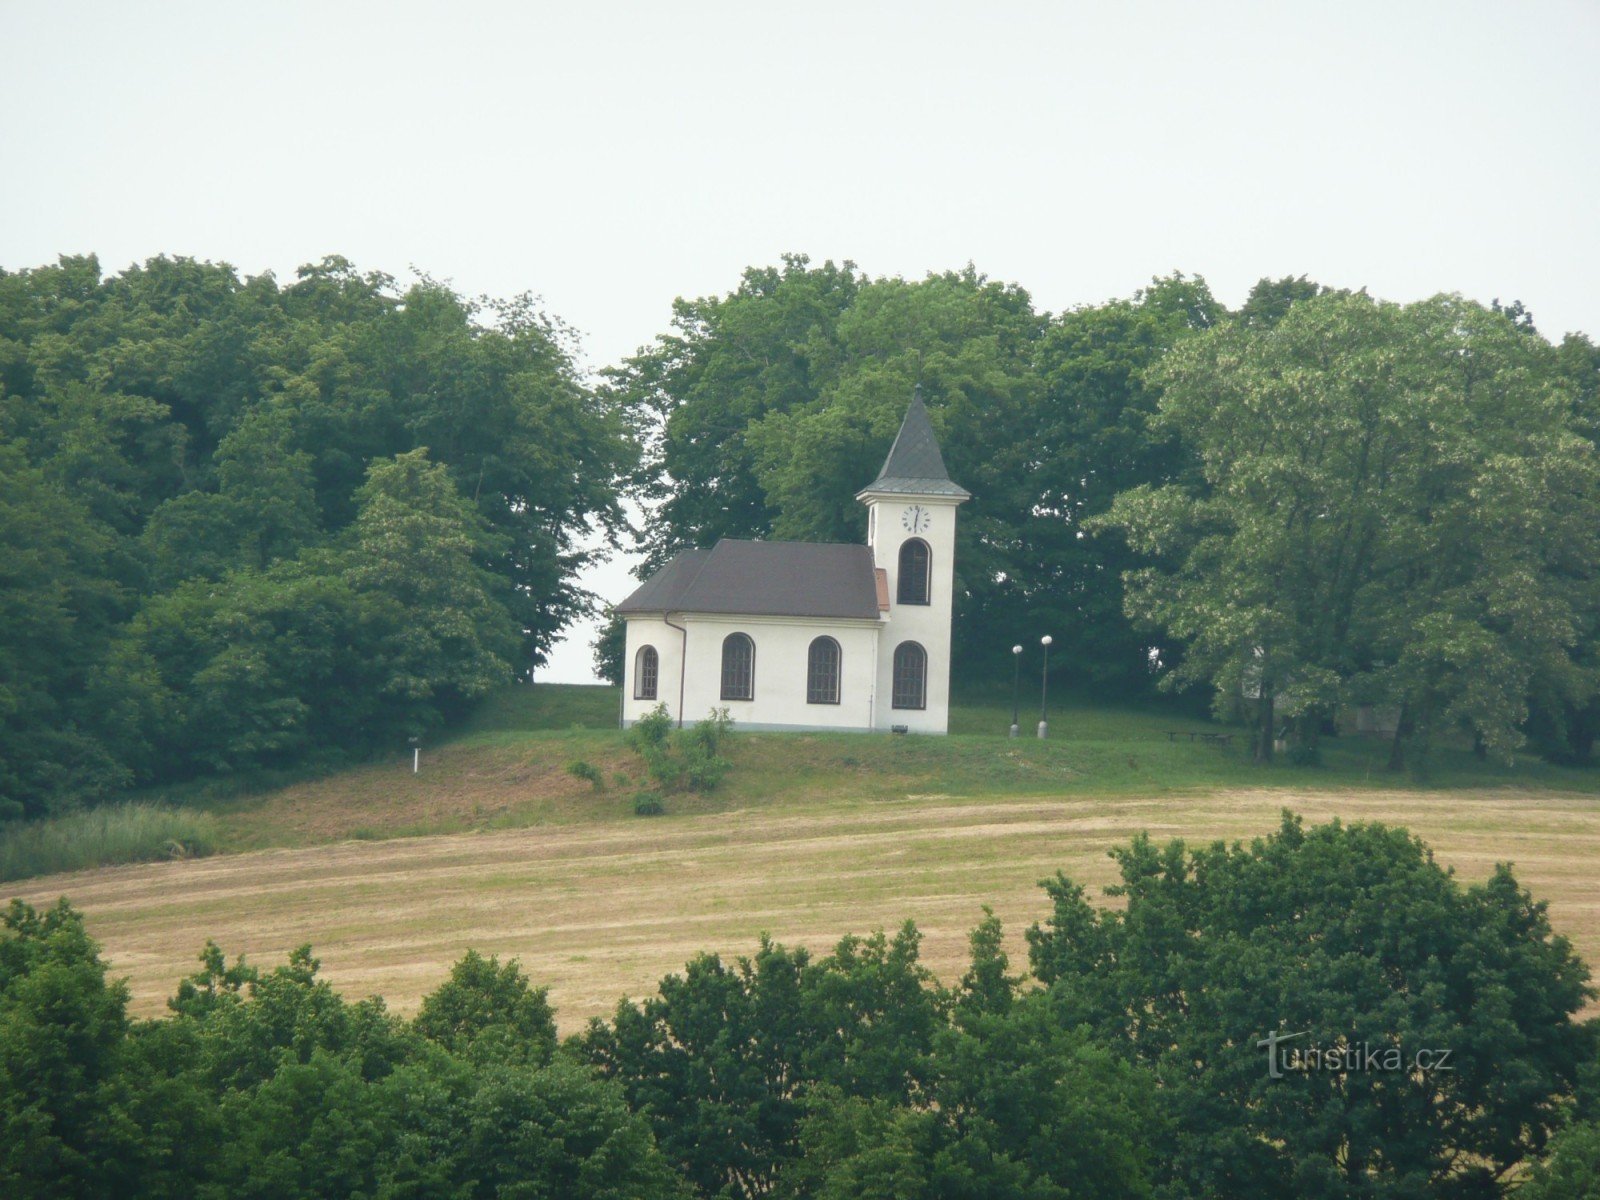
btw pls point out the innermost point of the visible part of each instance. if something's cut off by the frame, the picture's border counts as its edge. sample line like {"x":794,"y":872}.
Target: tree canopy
{"x":251,"y":522}
{"x":1390,"y":505}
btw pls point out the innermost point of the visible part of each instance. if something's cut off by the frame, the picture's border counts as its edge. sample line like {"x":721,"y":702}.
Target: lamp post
{"x":1016,"y":685}
{"x":1044,"y":686}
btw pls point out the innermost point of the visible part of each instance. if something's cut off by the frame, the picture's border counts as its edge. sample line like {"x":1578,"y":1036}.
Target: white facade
{"x":890,"y":521}
{"x":778,"y":692}
{"x":867,"y":648}
{"x":891,"y":666}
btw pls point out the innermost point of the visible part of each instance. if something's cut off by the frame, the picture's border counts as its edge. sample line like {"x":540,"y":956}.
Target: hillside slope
{"x":810,"y":837}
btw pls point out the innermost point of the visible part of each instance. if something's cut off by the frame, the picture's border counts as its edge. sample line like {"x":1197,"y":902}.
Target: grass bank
{"x":119,"y":833}
{"x":506,"y":767}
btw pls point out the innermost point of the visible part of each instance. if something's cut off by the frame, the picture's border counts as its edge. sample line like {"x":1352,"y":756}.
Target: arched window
{"x":915,"y":563}
{"x":646,"y":671}
{"x":738,"y":667}
{"x":910,"y":676}
{"x":822,"y":672}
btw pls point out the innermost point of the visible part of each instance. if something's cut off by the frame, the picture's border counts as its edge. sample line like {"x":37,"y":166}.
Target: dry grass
{"x":600,"y":908}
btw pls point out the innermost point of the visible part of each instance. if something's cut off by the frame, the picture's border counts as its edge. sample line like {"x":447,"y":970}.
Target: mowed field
{"x":596,"y":912}
{"x":809,"y":840}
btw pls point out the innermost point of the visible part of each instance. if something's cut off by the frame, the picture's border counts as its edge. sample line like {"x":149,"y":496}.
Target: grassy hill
{"x":810,"y":837}
{"x":507,"y":767}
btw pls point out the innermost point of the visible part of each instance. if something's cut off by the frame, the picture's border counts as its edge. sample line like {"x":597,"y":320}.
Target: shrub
{"x":651,"y":730}
{"x":120,"y":833}
{"x":648,"y":804}
{"x":580,"y":769}
{"x":703,"y":767}
{"x":689,"y":759}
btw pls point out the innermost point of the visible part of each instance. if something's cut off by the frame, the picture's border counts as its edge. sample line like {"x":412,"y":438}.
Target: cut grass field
{"x":811,"y":837}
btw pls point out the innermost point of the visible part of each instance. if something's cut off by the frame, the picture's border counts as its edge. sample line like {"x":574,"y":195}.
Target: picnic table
{"x":1204,"y":735}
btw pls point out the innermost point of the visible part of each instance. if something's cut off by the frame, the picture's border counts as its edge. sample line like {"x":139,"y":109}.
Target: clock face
{"x":917,"y":519}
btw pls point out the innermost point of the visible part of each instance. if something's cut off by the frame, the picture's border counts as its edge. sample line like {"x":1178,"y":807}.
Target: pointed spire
{"x":914,"y":465}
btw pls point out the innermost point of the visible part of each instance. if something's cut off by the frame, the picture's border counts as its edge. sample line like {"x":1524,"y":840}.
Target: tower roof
{"x":914,"y":465}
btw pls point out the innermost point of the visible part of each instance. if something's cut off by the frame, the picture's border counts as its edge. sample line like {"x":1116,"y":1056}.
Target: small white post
{"x":416,"y":758}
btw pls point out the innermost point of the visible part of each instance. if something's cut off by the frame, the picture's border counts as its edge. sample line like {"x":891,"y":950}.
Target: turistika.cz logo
{"x":1286,"y":1055}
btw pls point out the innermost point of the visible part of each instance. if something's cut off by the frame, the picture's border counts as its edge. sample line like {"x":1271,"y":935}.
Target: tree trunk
{"x":1397,"y":750}
{"x":1264,"y":736}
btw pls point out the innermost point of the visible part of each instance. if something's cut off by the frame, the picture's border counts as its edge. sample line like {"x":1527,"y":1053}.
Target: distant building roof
{"x":763,"y":579}
{"x":914,"y":465}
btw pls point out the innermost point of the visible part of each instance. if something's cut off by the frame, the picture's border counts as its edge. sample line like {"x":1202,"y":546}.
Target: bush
{"x":651,"y":730}
{"x":121,"y":833}
{"x":703,"y":767}
{"x":648,"y":804}
{"x":586,"y":770}
{"x":690,"y":759}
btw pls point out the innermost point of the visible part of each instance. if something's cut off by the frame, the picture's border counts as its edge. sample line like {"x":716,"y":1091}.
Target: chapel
{"x":809,"y":635}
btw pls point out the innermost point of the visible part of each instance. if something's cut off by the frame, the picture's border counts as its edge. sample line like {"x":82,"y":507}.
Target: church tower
{"x":911,"y":531}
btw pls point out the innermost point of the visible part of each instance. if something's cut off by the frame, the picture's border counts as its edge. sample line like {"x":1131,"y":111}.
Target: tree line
{"x":1127,"y":1061}
{"x":246,"y":525}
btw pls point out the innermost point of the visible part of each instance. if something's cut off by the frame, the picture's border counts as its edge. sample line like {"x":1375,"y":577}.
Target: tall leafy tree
{"x":1091,"y":436}
{"x":1339,"y":938}
{"x":1390,"y":504}
{"x":58,"y":610}
{"x":197,"y":447}
{"x":64,"y":1127}
{"x":769,"y":346}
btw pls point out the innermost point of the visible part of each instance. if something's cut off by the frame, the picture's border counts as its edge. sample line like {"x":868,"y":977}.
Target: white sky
{"x":613,"y":156}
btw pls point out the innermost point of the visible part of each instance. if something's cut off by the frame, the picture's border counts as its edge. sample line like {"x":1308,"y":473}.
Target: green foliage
{"x":986,"y":987}
{"x":121,"y":833}
{"x":580,"y":769}
{"x":1570,"y":1169}
{"x":720,"y":1058}
{"x":491,"y":1012}
{"x":610,"y":645}
{"x":250,"y":522}
{"x":1391,"y":505}
{"x":58,"y":608}
{"x":270,"y":1084}
{"x":1133,"y":1071}
{"x":1344,"y":934}
{"x":686,"y":759}
{"x":1016,"y":1106}
{"x":650,"y":732}
{"x":64,"y":1128}
{"x":703,"y":764}
{"x":648,"y":804}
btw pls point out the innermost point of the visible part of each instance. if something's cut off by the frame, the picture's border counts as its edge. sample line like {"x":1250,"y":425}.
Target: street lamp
{"x":1016,"y":684}
{"x":1044,"y":686}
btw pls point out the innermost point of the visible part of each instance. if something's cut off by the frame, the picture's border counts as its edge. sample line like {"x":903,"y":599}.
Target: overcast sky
{"x":613,"y":156}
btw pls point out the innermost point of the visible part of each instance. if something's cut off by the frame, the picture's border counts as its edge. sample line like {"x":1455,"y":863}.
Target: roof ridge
{"x":787,"y":542}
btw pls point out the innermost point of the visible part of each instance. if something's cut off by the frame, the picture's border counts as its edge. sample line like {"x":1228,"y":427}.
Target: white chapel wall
{"x":782,"y":648}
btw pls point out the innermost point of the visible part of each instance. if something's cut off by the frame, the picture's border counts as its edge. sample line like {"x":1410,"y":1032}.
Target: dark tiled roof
{"x":763,"y":579}
{"x":914,"y":465}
